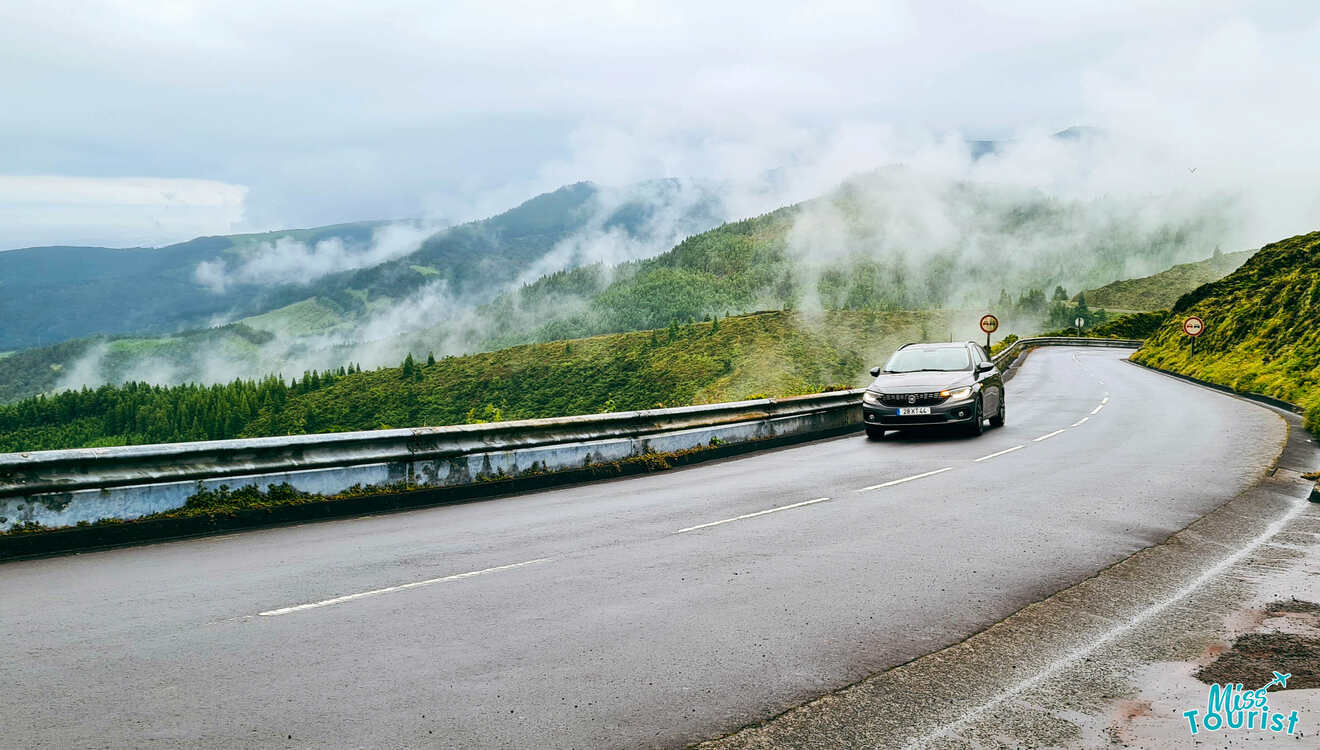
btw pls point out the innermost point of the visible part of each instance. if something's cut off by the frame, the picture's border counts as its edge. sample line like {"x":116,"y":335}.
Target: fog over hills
{"x":58,"y":293}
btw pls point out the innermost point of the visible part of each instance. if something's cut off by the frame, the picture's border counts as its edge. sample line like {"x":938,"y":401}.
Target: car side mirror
{"x":984,"y":367}
{"x":875,"y":372}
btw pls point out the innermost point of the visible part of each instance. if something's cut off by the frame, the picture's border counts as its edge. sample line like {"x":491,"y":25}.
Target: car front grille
{"x":911,"y":399}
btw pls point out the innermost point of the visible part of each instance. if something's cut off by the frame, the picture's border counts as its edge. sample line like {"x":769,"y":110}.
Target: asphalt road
{"x":598,"y":616}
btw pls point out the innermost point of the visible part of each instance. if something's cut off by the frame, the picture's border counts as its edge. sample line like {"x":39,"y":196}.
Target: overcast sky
{"x":136,"y":122}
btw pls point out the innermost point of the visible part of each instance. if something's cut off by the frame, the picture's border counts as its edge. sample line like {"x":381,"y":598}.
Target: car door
{"x":992,"y":384}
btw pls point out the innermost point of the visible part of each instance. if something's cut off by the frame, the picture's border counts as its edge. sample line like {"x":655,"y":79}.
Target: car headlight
{"x":957,"y":393}
{"x":871,"y":399}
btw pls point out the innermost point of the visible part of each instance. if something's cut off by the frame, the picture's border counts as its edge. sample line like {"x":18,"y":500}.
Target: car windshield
{"x":944,"y":359}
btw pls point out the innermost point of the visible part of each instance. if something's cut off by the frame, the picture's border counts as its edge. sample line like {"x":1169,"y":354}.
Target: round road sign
{"x":989,"y":323}
{"x":1193,"y":326}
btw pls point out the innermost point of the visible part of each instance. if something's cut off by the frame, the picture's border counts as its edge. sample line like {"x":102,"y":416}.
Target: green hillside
{"x":1159,"y":291}
{"x":1262,"y":327}
{"x":855,"y":249}
{"x":766,"y":354}
{"x":889,"y":240}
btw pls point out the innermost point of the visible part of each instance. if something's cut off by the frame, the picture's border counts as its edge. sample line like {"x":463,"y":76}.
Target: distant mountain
{"x":1260,"y":327}
{"x":50,"y":294}
{"x":984,"y":147}
{"x":53,"y":294}
{"x":170,"y":298}
{"x":1159,"y":291}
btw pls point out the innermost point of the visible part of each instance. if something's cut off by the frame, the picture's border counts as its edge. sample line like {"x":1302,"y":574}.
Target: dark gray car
{"x":934,"y":385}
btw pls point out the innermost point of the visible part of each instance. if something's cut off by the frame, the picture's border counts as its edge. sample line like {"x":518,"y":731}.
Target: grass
{"x":299,"y":319}
{"x":1262,"y":328}
{"x":772,"y":354}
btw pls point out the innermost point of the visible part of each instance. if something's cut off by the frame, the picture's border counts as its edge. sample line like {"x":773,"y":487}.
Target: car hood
{"x":917,"y":382}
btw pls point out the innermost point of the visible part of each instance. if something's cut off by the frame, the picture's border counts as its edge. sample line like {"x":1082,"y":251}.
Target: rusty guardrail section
{"x":62,"y":488}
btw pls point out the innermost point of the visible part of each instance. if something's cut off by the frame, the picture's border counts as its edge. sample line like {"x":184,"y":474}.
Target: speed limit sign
{"x":1193,"y":326}
{"x":989,"y":324}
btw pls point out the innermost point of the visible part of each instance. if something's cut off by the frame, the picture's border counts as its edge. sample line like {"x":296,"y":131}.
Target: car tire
{"x":977,"y":425}
{"x":998,"y":419}
{"x":875,"y":433}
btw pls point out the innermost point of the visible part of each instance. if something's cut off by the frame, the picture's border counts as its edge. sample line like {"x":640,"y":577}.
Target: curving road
{"x":650,"y":611}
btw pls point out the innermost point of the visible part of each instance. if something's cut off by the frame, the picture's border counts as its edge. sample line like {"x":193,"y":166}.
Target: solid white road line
{"x":1079,"y":422}
{"x":1046,"y":437}
{"x":391,"y":589}
{"x":1000,"y":453}
{"x":905,"y":479}
{"x":752,"y":515}
{"x":1097,"y":409}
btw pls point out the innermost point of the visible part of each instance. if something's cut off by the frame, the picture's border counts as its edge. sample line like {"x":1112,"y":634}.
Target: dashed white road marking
{"x":905,"y":479}
{"x":1097,"y":409}
{"x":752,"y":515}
{"x":1079,"y":422}
{"x":391,"y":589}
{"x":1104,"y":400}
{"x":1047,"y":436}
{"x":1000,"y":453}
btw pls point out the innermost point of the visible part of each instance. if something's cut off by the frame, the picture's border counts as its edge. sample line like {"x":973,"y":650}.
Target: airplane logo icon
{"x":1279,"y":679}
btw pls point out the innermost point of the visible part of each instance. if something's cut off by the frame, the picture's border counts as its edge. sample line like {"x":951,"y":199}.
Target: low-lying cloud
{"x":289,"y":261}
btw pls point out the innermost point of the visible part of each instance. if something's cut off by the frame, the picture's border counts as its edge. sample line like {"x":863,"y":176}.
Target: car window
{"x":914,"y":360}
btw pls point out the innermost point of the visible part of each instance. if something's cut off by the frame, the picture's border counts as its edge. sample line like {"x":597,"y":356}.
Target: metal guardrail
{"x":89,"y":468}
{"x":64,"y":471}
{"x":1010,"y":355}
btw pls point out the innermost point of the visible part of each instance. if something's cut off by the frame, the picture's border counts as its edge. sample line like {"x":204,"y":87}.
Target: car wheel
{"x":998,"y":419}
{"x":977,"y":425}
{"x":875,"y":433}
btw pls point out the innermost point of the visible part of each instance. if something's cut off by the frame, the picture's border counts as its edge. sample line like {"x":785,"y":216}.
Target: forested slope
{"x":768,"y":354}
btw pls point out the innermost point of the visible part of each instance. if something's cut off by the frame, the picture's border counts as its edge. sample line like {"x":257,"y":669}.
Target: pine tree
{"x":409,"y":368}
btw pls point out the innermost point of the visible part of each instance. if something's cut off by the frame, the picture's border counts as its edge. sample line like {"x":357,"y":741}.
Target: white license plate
{"x":913,"y":411}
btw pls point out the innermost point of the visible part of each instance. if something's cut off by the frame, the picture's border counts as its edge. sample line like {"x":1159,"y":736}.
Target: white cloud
{"x":461,"y":109}
{"x":290,"y":261}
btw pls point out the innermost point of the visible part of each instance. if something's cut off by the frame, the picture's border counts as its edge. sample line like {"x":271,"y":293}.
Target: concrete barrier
{"x":64,"y":488}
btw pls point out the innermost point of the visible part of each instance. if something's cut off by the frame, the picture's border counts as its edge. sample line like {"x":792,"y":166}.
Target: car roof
{"x":936,"y":345}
